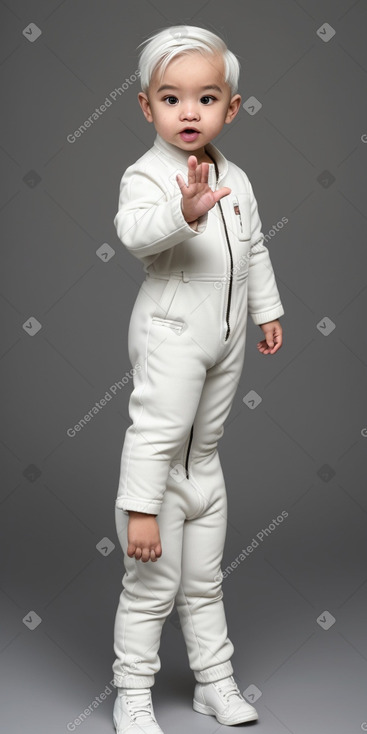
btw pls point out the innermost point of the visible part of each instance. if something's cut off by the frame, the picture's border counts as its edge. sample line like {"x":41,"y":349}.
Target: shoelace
{"x":228,"y":687}
{"x":140,"y":706}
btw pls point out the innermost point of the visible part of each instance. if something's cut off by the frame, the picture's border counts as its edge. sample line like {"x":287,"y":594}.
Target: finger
{"x":268,"y":350}
{"x":131,"y":548}
{"x":204,"y":172}
{"x":180,"y":181}
{"x":198,"y":172}
{"x":145,"y":555}
{"x":279,"y":339}
{"x":262,"y":346}
{"x":276,"y":347}
{"x":192,"y":164}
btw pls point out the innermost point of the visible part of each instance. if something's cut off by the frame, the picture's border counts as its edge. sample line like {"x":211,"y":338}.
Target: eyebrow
{"x":202,"y":89}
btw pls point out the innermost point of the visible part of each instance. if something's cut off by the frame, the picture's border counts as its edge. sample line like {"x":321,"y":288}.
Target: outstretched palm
{"x":197,"y":196}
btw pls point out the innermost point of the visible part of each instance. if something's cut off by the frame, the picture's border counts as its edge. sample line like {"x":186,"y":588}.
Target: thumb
{"x":269,"y":339}
{"x":224,"y":191}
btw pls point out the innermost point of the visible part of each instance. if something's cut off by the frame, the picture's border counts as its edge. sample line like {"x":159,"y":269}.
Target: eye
{"x":169,"y":97}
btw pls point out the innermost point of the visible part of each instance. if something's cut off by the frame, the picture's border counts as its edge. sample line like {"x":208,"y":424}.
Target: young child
{"x":191,"y":217}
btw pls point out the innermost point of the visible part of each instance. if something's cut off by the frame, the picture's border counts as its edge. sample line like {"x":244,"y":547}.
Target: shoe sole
{"x":202,"y":708}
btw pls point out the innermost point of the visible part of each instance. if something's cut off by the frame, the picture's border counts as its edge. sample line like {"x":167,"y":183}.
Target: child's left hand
{"x":273,"y":337}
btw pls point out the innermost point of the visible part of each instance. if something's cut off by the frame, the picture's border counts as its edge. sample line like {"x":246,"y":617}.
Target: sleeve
{"x":146,"y":223}
{"x":264,"y":302}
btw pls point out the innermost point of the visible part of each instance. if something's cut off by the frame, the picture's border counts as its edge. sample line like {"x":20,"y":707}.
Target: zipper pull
{"x":237,"y":211}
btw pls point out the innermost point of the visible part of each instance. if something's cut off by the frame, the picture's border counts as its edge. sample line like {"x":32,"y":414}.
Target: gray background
{"x":302,"y":450}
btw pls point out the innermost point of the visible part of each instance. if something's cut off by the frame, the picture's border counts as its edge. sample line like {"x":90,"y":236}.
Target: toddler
{"x":191,"y":217}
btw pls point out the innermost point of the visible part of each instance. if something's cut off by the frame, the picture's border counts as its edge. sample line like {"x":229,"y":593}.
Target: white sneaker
{"x":222,"y":699}
{"x":133,"y":712}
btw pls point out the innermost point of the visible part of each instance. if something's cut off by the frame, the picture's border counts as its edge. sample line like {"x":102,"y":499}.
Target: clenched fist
{"x":143,"y":537}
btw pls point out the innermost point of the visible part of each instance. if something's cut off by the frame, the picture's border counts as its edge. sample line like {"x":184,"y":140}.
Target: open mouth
{"x":189,"y":134}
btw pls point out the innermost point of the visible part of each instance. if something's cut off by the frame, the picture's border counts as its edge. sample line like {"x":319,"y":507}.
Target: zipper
{"x":188,"y":451}
{"x":230,"y":255}
{"x":227,"y":312}
{"x":231,"y":274}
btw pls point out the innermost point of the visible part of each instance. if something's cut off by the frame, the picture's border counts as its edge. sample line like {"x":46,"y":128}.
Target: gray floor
{"x":296,"y":600}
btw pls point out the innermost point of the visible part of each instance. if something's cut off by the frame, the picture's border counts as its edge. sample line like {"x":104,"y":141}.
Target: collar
{"x":181,"y":156}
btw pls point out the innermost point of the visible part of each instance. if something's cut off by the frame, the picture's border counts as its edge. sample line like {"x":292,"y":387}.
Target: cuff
{"x":262,"y":317}
{"x":216,"y":672}
{"x":126,"y":502}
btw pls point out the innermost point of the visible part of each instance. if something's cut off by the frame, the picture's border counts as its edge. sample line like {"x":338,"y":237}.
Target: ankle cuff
{"x":121,"y":690}
{"x":133,"y":681}
{"x":215,"y":672}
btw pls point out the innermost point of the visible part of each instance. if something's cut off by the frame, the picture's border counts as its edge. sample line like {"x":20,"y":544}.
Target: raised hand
{"x":197,"y":196}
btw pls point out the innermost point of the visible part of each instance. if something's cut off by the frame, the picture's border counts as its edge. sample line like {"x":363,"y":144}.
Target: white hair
{"x":164,"y":45}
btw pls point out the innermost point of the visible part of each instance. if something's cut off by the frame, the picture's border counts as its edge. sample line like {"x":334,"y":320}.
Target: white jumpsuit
{"x":186,"y":343}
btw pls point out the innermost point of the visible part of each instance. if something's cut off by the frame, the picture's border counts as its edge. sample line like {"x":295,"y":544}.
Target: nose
{"x":188,"y":113}
{"x":190,"y":117}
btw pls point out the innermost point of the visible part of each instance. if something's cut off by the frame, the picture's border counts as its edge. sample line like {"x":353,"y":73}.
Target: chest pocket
{"x":241,"y":215}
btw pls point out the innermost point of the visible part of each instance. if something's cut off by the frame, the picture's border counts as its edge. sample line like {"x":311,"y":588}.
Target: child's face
{"x":188,"y":101}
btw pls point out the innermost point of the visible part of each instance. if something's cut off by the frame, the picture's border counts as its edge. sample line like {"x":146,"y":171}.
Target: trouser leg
{"x":147,"y":597}
{"x":200,"y":597}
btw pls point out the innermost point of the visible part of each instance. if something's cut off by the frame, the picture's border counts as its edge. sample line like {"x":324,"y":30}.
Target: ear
{"x":233,"y":107}
{"x":145,"y":106}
